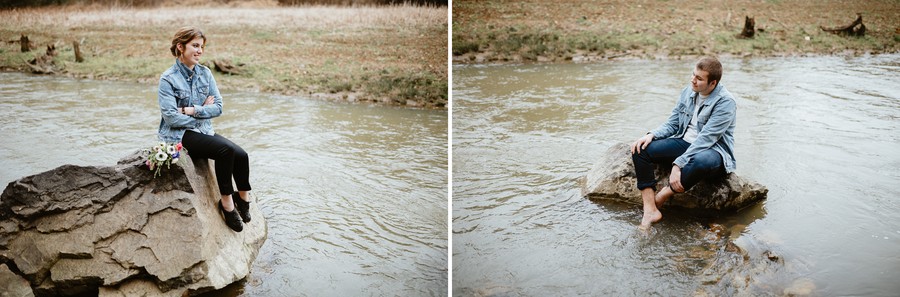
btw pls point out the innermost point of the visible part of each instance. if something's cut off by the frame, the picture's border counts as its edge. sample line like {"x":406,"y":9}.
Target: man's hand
{"x":675,"y":179}
{"x":641,"y":143}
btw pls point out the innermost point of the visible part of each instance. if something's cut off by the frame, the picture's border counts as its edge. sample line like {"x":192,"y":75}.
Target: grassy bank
{"x":492,"y":31}
{"x":394,"y":55}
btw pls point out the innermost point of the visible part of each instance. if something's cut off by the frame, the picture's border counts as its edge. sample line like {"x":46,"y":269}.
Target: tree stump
{"x":78,"y":57}
{"x":44,"y":64}
{"x":749,"y":31}
{"x":857,"y":28}
{"x":25,"y":43}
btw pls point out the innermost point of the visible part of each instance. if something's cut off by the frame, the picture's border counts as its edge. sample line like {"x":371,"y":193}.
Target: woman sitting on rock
{"x":189,"y":99}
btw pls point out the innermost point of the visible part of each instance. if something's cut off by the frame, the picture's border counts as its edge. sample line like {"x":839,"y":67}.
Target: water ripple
{"x":355,"y":196}
{"x":817,"y":131}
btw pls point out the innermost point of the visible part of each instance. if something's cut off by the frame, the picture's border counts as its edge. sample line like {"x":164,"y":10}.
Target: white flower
{"x":174,"y":160}
{"x":161,"y":156}
{"x":170,"y":149}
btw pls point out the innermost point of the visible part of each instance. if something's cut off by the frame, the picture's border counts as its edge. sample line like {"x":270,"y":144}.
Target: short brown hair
{"x":183,"y":36}
{"x":711,"y":65}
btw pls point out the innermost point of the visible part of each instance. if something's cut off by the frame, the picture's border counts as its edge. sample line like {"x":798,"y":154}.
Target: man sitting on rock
{"x":697,"y":140}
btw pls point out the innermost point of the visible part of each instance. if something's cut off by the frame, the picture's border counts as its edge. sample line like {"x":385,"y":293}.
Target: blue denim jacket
{"x":715,"y":124}
{"x":181,"y":87}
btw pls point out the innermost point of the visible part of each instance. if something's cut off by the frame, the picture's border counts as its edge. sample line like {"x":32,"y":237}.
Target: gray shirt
{"x":691,"y":134}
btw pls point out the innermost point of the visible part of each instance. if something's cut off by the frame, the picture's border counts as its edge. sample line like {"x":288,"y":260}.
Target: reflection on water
{"x":820,"y":133}
{"x":355,"y":195}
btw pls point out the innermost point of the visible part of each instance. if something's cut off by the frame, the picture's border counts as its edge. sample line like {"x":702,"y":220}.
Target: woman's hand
{"x":190,"y":109}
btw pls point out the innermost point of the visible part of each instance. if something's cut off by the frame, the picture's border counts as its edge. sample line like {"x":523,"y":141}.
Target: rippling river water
{"x":355,"y":195}
{"x":820,"y":133}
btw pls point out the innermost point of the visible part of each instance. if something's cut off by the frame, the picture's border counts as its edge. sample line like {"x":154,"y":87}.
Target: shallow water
{"x":820,"y":133}
{"x":355,"y":195}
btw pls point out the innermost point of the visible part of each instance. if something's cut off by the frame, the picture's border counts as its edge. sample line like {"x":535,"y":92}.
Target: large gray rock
{"x":13,"y":285}
{"x":613,"y":178}
{"x":117,"y":231}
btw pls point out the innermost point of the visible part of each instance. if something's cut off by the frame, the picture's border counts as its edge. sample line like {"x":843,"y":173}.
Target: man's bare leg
{"x":663,"y":195}
{"x":651,"y":213}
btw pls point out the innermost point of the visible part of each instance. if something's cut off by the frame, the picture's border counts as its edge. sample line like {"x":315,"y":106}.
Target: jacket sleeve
{"x":723,"y":115}
{"x":212,"y":110}
{"x":169,"y":109}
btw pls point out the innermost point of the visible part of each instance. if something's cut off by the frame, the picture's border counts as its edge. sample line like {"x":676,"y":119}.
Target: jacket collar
{"x":185,"y":72}
{"x":713,"y":96}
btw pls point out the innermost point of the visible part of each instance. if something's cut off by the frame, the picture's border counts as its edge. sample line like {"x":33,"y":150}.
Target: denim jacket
{"x":715,"y":125}
{"x":181,"y":87}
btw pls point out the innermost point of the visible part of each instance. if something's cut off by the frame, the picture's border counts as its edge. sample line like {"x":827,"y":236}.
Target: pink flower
{"x":178,"y":146}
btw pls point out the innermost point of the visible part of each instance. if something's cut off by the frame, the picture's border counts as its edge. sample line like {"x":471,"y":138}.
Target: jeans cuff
{"x":642,"y":186}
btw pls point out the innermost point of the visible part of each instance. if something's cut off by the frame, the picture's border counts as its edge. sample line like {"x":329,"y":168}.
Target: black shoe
{"x":232,"y":219}
{"x":243,"y":207}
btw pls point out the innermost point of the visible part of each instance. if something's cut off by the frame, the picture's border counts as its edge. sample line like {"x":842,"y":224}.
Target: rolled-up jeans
{"x":703,"y":165}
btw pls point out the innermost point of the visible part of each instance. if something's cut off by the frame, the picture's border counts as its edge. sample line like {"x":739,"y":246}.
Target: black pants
{"x":231,"y":159}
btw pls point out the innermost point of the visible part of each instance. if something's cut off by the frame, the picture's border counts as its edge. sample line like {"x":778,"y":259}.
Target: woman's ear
{"x":179,"y":48}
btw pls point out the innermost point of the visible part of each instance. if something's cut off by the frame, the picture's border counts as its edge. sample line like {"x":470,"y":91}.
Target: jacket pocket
{"x":182,"y":98}
{"x":704,"y":114}
{"x":684,"y":115}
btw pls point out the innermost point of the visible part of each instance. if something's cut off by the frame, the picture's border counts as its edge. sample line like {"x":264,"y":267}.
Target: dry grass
{"x":534,"y":30}
{"x":324,"y":17}
{"x":393,"y":54}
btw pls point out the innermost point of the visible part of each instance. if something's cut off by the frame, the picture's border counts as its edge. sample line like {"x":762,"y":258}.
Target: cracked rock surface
{"x":613,"y":178}
{"x":117,"y":231}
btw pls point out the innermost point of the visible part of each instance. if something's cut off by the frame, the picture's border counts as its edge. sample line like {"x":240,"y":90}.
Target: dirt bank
{"x":517,"y":31}
{"x":394,"y":55}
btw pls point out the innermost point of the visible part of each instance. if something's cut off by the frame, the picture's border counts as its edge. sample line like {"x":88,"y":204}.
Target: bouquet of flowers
{"x":162,"y":154}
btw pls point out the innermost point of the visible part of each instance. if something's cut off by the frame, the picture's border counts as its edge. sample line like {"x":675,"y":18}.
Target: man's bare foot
{"x":662,"y":196}
{"x":650,"y":218}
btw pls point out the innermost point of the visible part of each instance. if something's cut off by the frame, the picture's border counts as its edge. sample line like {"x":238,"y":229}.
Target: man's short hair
{"x":711,"y":65}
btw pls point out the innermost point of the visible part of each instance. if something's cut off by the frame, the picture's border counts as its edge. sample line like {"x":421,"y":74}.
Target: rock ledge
{"x":117,"y":231}
{"x":613,"y":178}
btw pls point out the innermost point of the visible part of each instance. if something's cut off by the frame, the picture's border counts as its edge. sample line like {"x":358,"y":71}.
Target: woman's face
{"x":191,"y":51}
